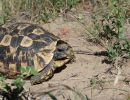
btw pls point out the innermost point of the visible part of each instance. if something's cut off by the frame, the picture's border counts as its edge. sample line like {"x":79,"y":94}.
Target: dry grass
{"x":40,"y":10}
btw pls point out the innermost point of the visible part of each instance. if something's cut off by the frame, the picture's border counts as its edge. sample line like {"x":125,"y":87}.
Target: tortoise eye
{"x":62,"y":47}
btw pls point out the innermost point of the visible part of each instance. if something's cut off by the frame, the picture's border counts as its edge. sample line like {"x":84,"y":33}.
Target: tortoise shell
{"x":27,"y":45}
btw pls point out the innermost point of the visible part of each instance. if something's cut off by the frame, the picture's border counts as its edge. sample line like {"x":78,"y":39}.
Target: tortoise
{"x":30,"y":45}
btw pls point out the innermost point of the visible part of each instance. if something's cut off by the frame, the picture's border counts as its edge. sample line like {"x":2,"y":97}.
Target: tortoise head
{"x":63,"y":54}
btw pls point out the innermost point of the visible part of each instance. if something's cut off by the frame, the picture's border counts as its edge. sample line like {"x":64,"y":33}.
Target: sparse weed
{"x":40,"y":10}
{"x":13,"y":90}
{"x":109,"y":25}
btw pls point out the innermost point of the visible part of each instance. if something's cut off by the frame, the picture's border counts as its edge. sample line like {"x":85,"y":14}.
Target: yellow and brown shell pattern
{"x":26,"y":45}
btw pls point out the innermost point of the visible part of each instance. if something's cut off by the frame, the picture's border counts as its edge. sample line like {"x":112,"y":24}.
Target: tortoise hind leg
{"x":43,"y":75}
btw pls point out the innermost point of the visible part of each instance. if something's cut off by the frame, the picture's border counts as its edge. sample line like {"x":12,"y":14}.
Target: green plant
{"x":110,"y":27}
{"x":13,"y":90}
{"x":117,"y":18}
